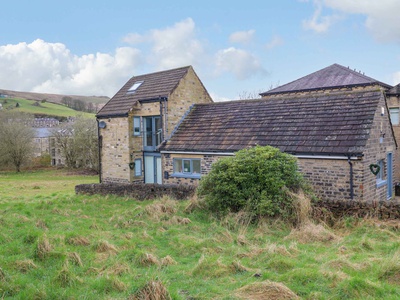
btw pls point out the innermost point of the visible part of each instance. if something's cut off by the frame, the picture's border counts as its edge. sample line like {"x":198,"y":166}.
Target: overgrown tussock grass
{"x":58,"y":245}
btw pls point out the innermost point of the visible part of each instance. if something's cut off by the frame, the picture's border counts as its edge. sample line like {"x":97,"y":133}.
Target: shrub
{"x":259,"y":180}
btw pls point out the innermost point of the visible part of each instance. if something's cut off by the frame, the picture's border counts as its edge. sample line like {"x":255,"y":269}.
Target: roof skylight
{"x":134,"y":87}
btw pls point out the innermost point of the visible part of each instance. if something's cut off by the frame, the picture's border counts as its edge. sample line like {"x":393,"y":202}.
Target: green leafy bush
{"x":258,"y":180}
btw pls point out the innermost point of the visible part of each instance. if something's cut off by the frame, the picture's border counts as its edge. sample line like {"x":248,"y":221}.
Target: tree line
{"x":76,"y":142}
{"x":79,"y":105}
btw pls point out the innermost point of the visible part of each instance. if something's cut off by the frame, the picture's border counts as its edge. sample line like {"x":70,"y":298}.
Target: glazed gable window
{"x":187,"y":167}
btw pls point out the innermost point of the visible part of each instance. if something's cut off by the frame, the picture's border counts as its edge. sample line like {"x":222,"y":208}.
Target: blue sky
{"x":237,"y":48}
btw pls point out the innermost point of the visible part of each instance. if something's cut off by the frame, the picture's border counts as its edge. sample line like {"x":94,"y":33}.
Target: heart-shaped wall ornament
{"x":374,"y":169}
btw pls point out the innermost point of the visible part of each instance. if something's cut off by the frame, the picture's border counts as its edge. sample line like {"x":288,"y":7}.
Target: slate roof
{"x":154,"y":86}
{"x":394,"y":90}
{"x":333,"y":76}
{"x":336,"y":124}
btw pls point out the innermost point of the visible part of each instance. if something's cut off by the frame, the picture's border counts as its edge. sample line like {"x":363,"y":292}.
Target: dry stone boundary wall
{"x":138,"y":191}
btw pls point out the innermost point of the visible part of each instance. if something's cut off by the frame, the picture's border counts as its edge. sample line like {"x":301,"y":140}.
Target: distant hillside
{"x":54,"y":98}
{"x":40,"y":109}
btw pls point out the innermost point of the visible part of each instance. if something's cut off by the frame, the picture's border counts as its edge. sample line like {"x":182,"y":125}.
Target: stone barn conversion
{"x":139,"y":117}
{"x":335,"y":121}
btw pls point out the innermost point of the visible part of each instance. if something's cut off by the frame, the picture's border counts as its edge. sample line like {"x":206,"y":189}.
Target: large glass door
{"x":152,"y":136}
{"x":152,"y":168}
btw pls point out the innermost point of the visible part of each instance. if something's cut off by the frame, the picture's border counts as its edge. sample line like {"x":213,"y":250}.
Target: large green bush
{"x":258,"y":180}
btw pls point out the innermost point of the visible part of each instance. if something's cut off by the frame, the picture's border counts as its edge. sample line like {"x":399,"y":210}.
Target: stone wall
{"x":330,"y":178}
{"x":189,"y":91}
{"x":329,"y":91}
{"x":358,"y":209}
{"x":137,"y":191}
{"x":380,"y":143}
{"x":115,"y":150}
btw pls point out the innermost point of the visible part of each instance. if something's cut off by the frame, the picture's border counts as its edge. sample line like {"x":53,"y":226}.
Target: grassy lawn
{"x":57,"y":245}
{"x":45,"y":108}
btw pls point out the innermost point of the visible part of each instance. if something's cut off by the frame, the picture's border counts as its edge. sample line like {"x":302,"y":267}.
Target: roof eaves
{"x":116,"y":115}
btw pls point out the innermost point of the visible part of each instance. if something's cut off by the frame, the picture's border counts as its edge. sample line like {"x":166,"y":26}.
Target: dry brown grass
{"x":65,"y":277}
{"x":105,"y":247}
{"x":148,"y":259}
{"x":168,"y":261}
{"x":176,"y":220}
{"x":41,"y":224}
{"x":153,"y":290}
{"x":118,"y":269}
{"x":25,"y":265}
{"x":75,"y":258}
{"x":310,"y":233}
{"x":78,"y":241}
{"x":302,"y":206}
{"x":194,"y":204}
{"x":43,"y":247}
{"x":22,"y":218}
{"x":266,"y":290}
{"x":161,"y":208}
{"x":280,"y":249}
{"x":208,"y":268}
{"x":237,"y":267}
{"x":118,"y":285}
{"x":2,"y":275}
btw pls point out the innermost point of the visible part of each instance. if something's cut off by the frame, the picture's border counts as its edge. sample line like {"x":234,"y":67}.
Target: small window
{"x":394,"y":115}
{"x":136,"y":126}
{"x":134,"y":87}
{"x":380,"y":177}
{"x":138,"y":167}
{"x":185,"y":167}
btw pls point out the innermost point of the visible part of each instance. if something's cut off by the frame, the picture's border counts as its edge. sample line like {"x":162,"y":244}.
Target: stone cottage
{"x":139,"y":117}
{"x":335,"y":121}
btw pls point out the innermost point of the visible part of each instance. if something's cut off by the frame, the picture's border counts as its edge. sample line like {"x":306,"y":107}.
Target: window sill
{"x":181,"y":175}
{"x":380,"y":183}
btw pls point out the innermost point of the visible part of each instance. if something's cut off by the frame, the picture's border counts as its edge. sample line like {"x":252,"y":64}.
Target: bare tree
{"x":16,"y":146}
{"x":78,"y":143}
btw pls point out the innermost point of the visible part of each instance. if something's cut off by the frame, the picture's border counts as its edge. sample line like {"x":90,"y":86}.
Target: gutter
{"x":305,"y":156}
{"x":351,"y":178}
{"x":99,"y":146}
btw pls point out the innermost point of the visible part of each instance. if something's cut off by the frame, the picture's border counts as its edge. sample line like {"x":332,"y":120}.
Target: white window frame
{"x":394,"y":115}
{"x":138,"y":167}
{"x":380,"y":177}
{"x":186,"y":173}
{"x":136,"y":125}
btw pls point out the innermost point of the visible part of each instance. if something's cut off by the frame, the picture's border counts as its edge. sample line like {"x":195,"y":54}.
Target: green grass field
{"x":57,"y":245}
{"x":46,"y":108}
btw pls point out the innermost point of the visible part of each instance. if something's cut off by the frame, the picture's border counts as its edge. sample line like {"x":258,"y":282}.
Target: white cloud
{"x":274,"y":42}
{"x":239,"y":62}
{"x":381,"y":17}
{"x":242,"y":37}
{"x":134,"y":38}
{"x":218,"y":98}
{"x":171,"y":47}
{"x":318,"y":22}
{"x":52,"y":68}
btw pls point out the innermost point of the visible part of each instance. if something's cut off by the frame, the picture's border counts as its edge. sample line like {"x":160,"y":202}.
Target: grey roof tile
{"x":155,"y":85}
{"x":333,"y":76}
{"x":338,"y":123}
